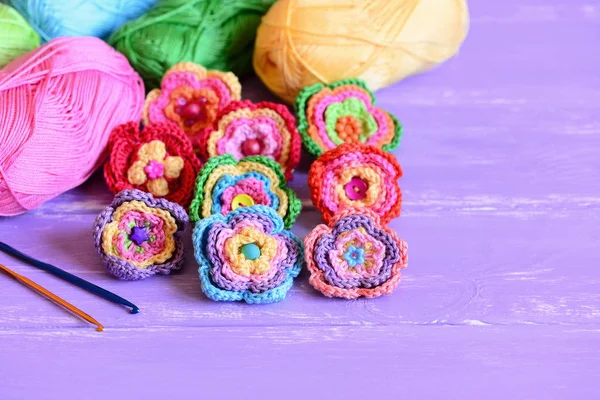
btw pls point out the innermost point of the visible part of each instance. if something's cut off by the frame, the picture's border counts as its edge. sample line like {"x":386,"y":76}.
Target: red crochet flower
{"x":158,"y":159}
{"x":246,"y":129}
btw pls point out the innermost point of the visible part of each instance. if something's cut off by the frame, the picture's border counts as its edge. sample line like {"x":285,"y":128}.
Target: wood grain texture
{"x":501,"y":298}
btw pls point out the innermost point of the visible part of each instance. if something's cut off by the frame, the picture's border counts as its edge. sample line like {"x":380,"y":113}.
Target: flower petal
{"x":154,"y":150}
{"x":173,"y":166}
{"x":136,"y":174}
{"x":158,"y":187}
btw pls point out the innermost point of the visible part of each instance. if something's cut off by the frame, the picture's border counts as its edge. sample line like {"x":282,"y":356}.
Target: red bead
{"x":191,"y":110}
{"x":251,"y":147}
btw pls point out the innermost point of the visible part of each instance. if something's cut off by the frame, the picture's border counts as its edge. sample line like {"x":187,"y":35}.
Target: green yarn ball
{"x":16,"y":35}
{"x":217,"y":34}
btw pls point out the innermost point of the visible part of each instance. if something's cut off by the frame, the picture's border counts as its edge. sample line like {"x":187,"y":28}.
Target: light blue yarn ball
{"x":100,"y":18}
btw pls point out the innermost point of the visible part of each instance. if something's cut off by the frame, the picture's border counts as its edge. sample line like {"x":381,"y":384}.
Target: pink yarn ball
{"x":58,"y":105}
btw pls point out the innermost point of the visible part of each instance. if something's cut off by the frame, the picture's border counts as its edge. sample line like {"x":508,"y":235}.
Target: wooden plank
{"x":463,"y":269}
{"x":383,"y":362}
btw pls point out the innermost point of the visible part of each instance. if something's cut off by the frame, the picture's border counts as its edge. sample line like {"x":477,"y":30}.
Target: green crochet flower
{"x":344,"y":112}
{"x":225,"y":184}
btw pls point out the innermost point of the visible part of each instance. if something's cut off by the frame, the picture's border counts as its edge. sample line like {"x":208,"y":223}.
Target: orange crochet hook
{"x":28,"y":282}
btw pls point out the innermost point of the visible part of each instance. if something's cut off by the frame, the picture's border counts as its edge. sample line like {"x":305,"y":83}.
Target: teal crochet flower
{"x":247,"y":255}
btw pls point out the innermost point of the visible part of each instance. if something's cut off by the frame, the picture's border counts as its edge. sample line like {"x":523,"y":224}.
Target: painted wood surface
{"x":501,"y":298}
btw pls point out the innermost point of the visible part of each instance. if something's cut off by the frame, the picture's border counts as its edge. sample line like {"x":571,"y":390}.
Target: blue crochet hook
{"x":75,"y":280}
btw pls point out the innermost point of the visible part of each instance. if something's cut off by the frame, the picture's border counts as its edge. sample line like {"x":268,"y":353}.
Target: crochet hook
{"x":28,"y":282}
{"x":77,"y":281}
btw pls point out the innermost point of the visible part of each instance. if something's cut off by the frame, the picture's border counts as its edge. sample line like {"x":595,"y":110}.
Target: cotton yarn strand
{"x":99,"y":18}
{"x":16,"y":36}
{"x":58,"y":105}
{"x":302,"y":42}
{"x":217,"y":34}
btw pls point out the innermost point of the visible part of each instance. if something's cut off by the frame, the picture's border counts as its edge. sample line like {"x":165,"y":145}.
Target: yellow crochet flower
{"x":153,"y":166}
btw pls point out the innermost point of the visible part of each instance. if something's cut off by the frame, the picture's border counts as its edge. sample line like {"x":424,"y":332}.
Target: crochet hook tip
{"x":48,"y":294}
{"x":134,"y":310}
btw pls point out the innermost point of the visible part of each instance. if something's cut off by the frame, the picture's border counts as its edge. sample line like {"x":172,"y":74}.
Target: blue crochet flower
{"x":247,"y":255}
{"x":354,"y":256}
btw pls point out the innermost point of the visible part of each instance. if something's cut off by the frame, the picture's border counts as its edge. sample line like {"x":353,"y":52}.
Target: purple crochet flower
{"x":355,"y":256}
{"x":138,"y":236}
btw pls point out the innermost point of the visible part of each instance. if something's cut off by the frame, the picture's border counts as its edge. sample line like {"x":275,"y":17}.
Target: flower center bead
{"x":252,"y":147}
{"x":241,"y":200}
{"x":139,"y":235}
{"x":154,"y":169}
{"x":251,"y":251}
{"x":356,"y":189}
{"x":354,"y":256}
{"x":192,"y":111}
{"x":348,"y":128}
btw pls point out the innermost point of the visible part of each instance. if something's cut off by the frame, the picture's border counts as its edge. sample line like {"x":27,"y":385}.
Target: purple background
{"x":501,"y":298}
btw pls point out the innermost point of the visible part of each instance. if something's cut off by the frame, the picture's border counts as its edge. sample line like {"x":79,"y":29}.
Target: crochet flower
{"x":191,"y":97}
{"x":225,"y":184}
{"x":246,"y":256}
{"x":247,"y":129}
{"x":153,"y":166}
{"x":138,"y":236}
{"x":159,"y":159}
{"x":356,"y":175}
{"x":355,"y":256}
{"x":344,"y":112}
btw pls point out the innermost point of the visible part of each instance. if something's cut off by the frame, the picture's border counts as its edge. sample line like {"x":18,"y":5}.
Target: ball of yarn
{"x":100,"y":18}
{"x":302,"y":42}
{"x":218,"y":34}
{"x":16,"y":36}
{"x":58,"y":105}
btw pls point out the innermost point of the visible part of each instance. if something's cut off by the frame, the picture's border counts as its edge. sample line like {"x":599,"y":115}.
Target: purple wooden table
{"x":501,"y":299}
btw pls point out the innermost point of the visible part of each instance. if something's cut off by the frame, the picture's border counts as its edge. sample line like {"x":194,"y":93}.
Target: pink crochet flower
{"x":245,"y":129}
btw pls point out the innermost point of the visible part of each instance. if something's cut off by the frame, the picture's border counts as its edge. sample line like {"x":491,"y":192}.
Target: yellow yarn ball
{"x":16,"y":36}
{"x":301,"y":42}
